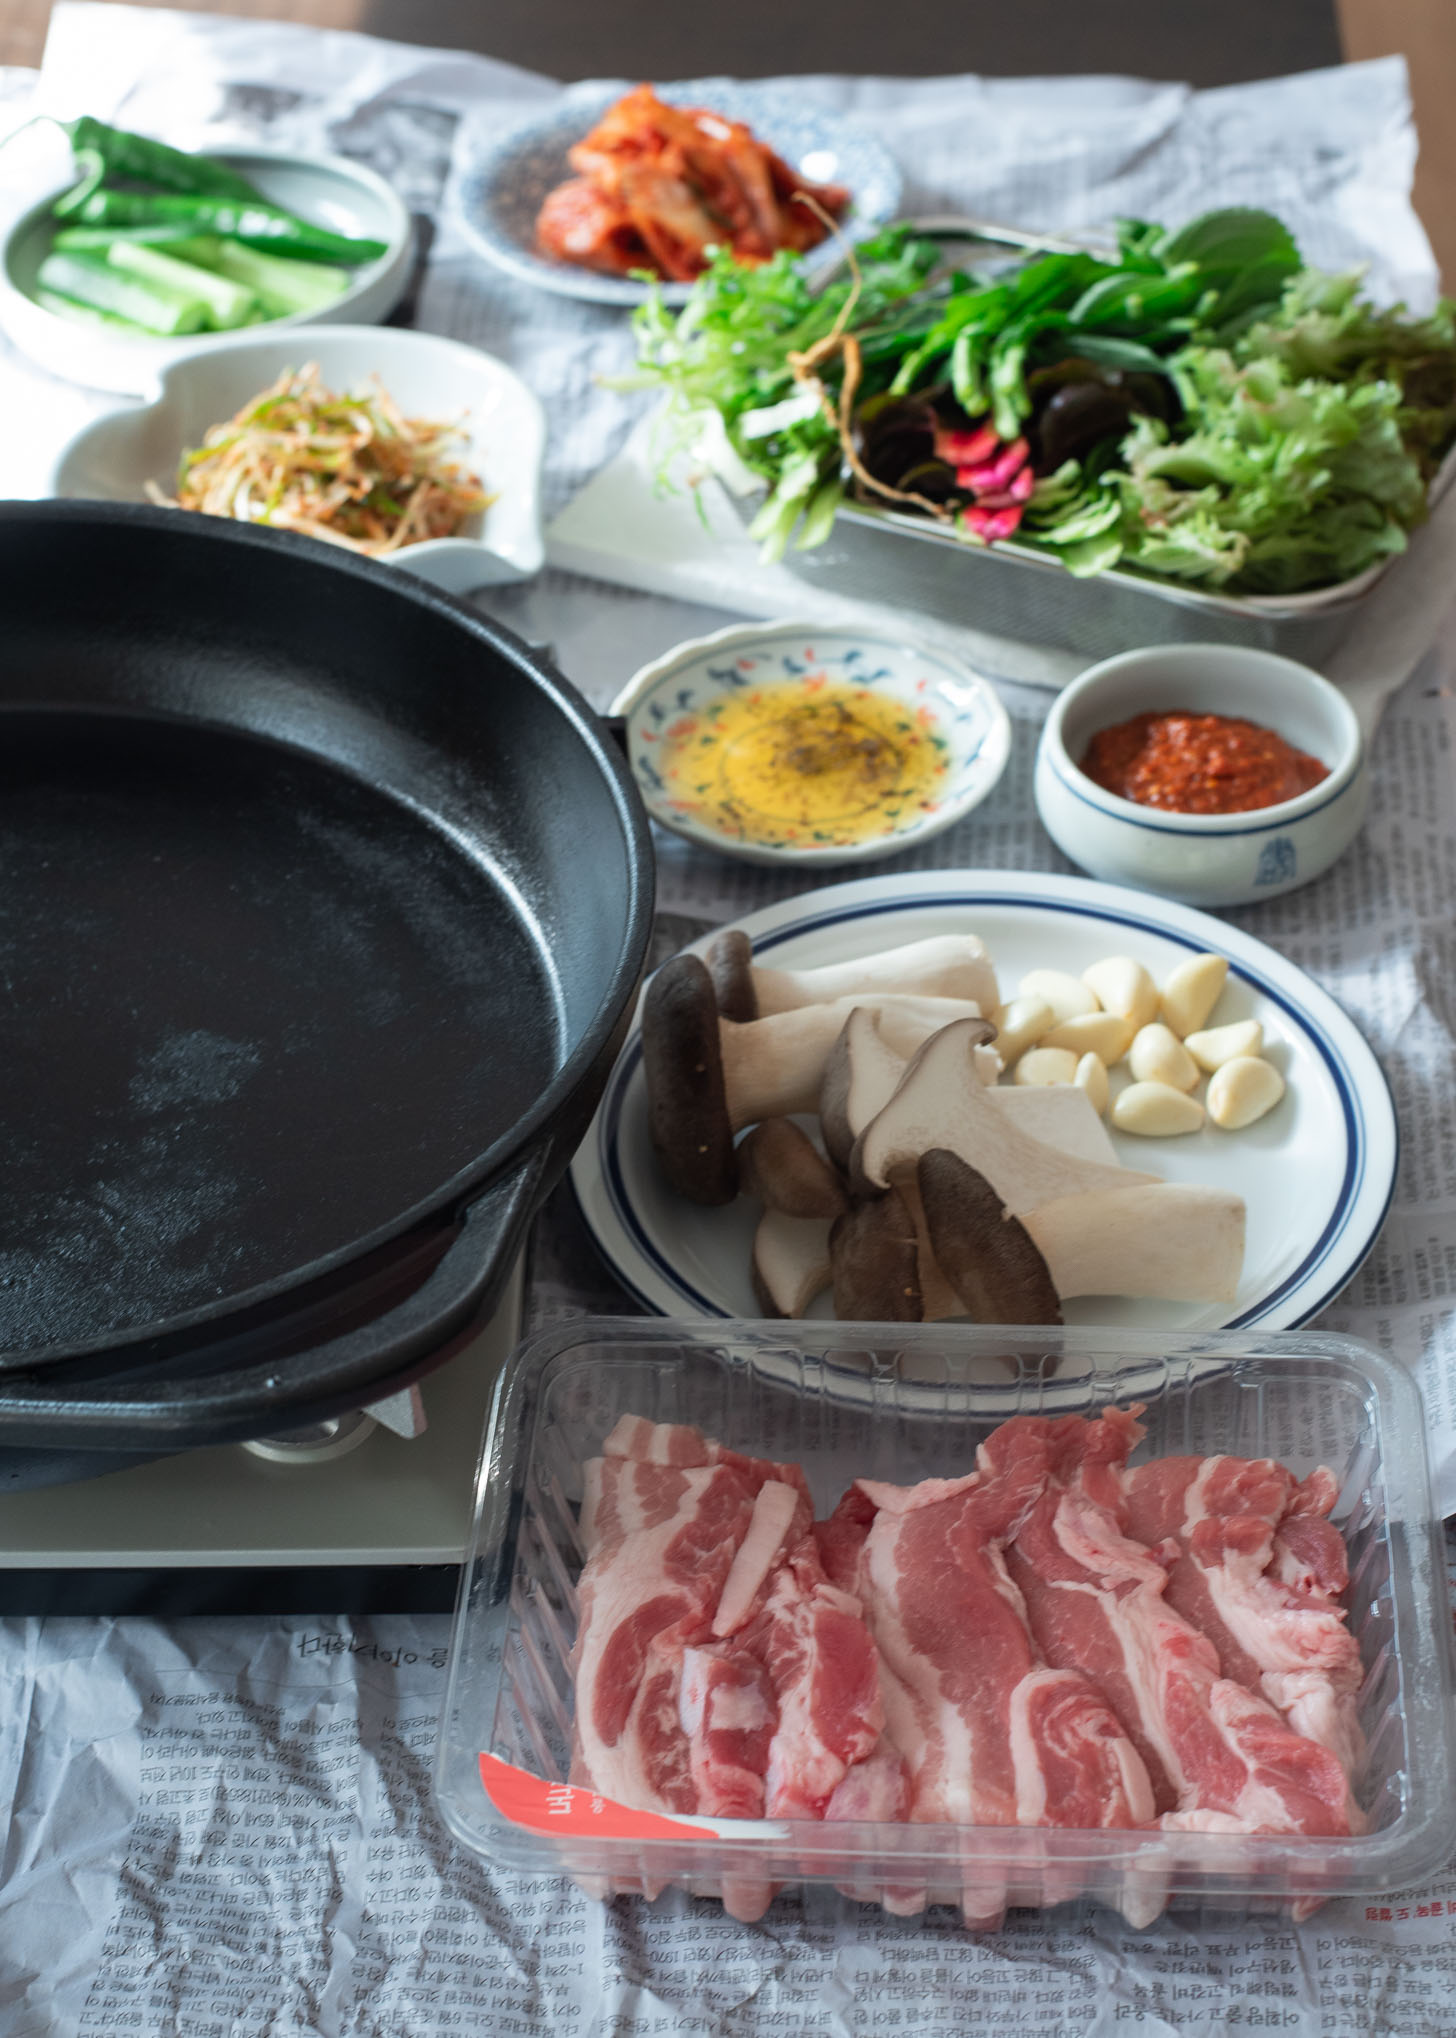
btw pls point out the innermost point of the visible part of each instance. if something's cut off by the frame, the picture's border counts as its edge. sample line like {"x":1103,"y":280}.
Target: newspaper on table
{"x":225,"y":1827}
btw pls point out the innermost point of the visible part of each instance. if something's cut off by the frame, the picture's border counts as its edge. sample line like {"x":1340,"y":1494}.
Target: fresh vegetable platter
{"x":1196,"y":406}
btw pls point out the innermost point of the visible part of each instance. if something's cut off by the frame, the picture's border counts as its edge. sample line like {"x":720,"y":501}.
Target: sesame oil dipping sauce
{"x":1199,"y":764}
{"x":807,"y":761}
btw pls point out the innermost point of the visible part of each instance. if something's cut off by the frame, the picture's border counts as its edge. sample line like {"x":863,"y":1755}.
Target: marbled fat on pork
{"x":1052,"y":1639}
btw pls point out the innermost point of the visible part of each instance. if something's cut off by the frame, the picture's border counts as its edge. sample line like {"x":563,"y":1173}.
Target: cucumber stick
{"x":229,"y":304}
{"x":284,"y":287}
{"x":91,"y":280}
{"x":85,"y":315}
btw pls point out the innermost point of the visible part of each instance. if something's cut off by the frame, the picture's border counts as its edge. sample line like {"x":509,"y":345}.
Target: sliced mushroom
{"x":687,"y":1104}
{"x":875,"y":1256}
{"x":1179,"y":1241}
{"x":707,"y":1077}
{"x":774,"y":1067}
{"x":780,"y":1165}
{"x":730,"y":965}
{"x":986,"y":1254}
{"x":935,"y":1105}
{"x":1059,"y":1115}
{"x":938,"y":1299}
{"x":944,"y":966}
{"x":790,"y":1262}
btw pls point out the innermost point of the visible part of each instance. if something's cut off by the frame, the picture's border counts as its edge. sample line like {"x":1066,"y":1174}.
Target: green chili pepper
{"x":255,"y":223}
{"x":139,"y":159}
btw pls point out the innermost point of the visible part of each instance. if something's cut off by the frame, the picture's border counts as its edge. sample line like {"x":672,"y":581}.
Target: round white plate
{"x":508,"y":175}
{"x":1317,"y":1174}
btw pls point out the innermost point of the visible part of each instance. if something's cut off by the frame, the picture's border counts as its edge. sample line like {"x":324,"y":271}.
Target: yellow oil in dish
{"x":806,"y":763}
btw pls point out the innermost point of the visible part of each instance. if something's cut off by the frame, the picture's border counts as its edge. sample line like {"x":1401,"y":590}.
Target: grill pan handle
{"x":223,"y":1406}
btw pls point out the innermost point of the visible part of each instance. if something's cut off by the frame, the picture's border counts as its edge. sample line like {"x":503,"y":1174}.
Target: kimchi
{"x":657,"y":186}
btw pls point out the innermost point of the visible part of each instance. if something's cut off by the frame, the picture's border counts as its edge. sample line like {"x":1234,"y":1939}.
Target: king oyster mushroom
{"x":943,"y":966}
{"x":790,"y":1262}
{"x":937,"y":1104}
{"x":938,"y":1299}
{"x":985,"y":1253}
{"x":875,"y":1257}
{"x":780,"y":1165}
{"x":864,"y":1070}
{"x":708,"y":1077}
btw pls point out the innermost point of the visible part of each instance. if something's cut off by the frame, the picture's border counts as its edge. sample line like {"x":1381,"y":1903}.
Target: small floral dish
{"x":1203,"y":859}
{"x":784,"y":743}
{"x":508,"y":174}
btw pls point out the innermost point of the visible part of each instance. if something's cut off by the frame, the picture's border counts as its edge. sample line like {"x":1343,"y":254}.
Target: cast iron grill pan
{"x":321,"y":902}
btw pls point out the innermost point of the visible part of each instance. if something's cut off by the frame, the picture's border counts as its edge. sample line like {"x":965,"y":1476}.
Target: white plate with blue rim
{"x":508,"y":174}
{"x":1317,"y":1173}
{"x":683,"y":717}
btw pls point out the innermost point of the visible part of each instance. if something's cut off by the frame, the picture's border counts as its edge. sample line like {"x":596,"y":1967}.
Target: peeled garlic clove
{"x":1192,"y":991}
{"x":1091,"y":1076}
{"x":1156,"y":1111}
{"x":1221,"y":1043}
{"x":1046,"y":1065}
{"x":1067,"y":995}
{"x":1101,"y":1033}
{"x":1243,"y":1090}
{"x":1121,"y":984}
{"x":1157,"y":1055}
{"x":1020,"y":1025}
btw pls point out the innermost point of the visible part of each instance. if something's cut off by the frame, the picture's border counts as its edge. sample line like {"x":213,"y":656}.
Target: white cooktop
{"x":393,"y":1500}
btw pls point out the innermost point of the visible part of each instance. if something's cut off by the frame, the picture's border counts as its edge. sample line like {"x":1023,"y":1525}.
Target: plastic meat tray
{"x":905,"y":1404}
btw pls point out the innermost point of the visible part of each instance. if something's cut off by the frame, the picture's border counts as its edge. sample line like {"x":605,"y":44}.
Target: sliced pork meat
{"x":1095,"y":1598}
{"x":665,"y":1516}
{"x":1256,"y":1566}
{"x":989,"y":1734}
{"x":1050,"y":1639}
{"x":717,"y":1668}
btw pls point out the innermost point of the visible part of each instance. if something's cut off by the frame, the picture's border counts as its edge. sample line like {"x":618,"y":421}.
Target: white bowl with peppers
{"x":123,"y":269}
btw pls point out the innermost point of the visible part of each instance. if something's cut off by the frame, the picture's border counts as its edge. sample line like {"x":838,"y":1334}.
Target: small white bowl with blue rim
{"x":964,"y":708}
{"x":1203,"y":859}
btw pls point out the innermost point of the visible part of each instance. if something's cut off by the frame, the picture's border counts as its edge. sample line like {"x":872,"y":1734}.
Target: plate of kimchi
{"x":608,"y":188}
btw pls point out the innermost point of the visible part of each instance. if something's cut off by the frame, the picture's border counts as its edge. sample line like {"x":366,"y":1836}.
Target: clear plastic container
{"x":902,"y":1404}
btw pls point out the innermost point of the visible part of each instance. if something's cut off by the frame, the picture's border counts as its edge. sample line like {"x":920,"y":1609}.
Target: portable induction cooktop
{"x":349,"y":1517}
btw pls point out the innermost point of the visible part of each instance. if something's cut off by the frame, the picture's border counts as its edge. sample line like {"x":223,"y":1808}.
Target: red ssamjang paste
{"x":1199,"y":764}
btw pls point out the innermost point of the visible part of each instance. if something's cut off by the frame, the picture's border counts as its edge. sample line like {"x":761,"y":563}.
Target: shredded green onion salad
{"x":351,"y":469}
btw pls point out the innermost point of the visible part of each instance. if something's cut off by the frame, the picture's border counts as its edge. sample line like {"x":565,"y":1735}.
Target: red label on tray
{"x":543,"y":1807}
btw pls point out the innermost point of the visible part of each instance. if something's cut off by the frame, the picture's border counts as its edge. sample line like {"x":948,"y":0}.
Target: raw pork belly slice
{"x":664,"y":1518}
{"x":1256,"y":1566}
{"x":717,"y":1668}
{"x":990,"y":1734}
{"x":1096,"y":1602}
{"x":1049,"y":1640}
